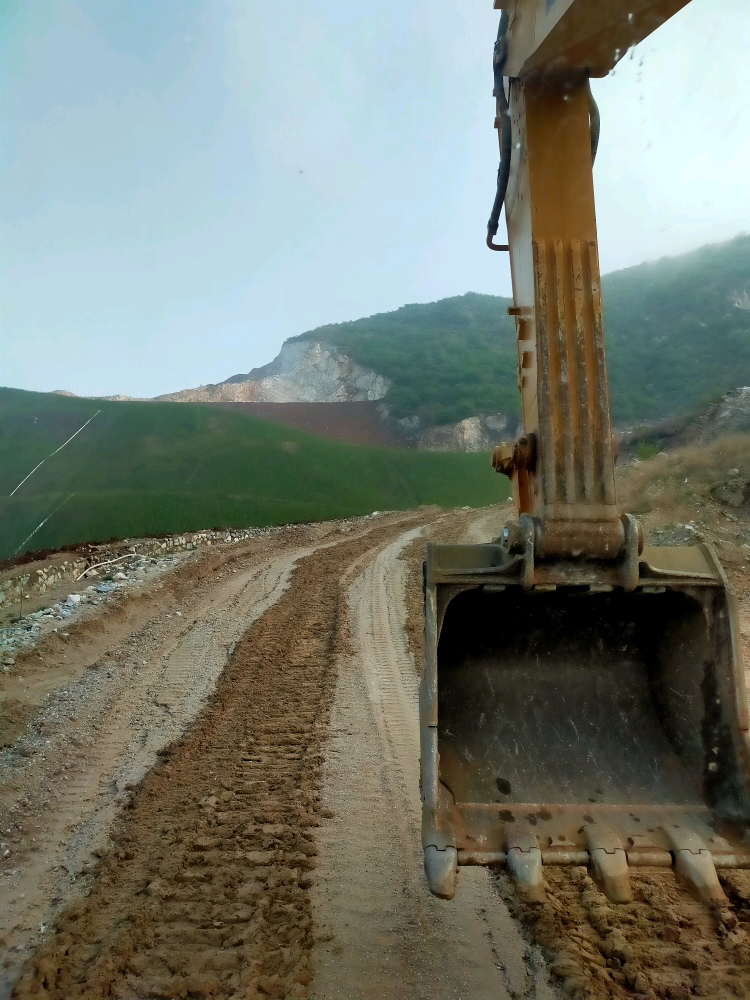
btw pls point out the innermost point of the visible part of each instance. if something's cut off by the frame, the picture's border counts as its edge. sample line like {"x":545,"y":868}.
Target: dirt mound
{"x":665,"y":944}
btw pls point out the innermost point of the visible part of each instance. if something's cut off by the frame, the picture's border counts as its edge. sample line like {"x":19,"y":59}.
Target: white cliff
{"x":480,"y":433}
{"x":304,"y":371}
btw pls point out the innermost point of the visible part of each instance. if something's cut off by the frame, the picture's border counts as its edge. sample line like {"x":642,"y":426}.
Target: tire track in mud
{"x":115,"y":734}
{"x":206,"y":890}
{"x":382,"y":933}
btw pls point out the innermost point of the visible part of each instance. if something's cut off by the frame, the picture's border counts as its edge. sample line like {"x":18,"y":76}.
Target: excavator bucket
{"x":577,"y":722}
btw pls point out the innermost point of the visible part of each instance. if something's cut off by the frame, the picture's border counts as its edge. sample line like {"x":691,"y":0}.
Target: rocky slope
{"x":302,"y":372}
{"x":677,"y":335}
{"x":730,"y":414}
{"x":480,"y":433}
{"x":308,"y":371}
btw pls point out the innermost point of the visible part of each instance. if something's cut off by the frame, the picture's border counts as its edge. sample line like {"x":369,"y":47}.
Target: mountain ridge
{"x":657,"y":317}
{"x":302,"y":372}
{"x":677,"y":336}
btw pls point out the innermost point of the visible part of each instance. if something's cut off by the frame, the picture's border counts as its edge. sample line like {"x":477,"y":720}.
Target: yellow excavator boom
{"x":583,"y":699}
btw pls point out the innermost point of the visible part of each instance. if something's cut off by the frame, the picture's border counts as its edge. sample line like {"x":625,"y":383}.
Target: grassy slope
{"x":675,"y":340}
{"x":151,"y":468}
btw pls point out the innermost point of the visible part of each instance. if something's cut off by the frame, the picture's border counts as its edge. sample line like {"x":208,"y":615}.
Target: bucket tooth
{"x":609,"y":863}
{"x":440,"y":867}
{"x":525,"y":862}
{"x":693,"y":862}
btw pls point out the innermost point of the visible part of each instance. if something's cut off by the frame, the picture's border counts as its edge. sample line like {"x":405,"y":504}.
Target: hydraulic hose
{"x":594,"y":123}
{"x":504,"y":126}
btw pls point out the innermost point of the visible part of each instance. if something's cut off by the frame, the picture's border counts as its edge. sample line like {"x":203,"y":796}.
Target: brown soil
{"x":381,"y":932}
{"x":665,"y":944}
{"x":65,"y":650}
{"x":205,"y":892}
{"x":355,"y":423}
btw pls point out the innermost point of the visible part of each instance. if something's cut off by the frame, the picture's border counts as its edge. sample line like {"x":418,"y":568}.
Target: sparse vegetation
{"x":645,"y":450}
{"x":697,"y":485}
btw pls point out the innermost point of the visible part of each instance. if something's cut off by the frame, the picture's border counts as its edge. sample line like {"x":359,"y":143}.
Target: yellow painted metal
{"x":553,"y":47}
{"x":583,"y":697}
{"x":589,"y":36}
{"x":556,"y":289}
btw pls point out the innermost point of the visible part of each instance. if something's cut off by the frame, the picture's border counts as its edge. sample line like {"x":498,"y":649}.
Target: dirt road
{"x":128,"y":683}
{"x":262,"y":701}
{"x":390,"y":937}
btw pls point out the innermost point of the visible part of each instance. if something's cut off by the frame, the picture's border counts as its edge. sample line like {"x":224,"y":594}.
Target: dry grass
{"x":701,"y":484}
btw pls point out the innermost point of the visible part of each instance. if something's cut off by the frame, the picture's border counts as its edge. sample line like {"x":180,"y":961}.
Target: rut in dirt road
{"x":384,"y":935}
{"x":64,"y":782}
{"x":206,"y":892}
{"x":665,"y":944}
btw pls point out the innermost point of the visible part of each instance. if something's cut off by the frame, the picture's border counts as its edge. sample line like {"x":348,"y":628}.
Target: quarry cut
{"x":303,"y":371}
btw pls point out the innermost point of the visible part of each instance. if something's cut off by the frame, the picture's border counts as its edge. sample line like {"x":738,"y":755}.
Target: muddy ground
{"x":216,"y":795}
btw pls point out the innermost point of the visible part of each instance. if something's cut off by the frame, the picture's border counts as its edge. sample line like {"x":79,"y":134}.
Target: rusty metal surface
{"x":547,"y":698}
{"x":575,"y":707}
{"x":567,"y":480}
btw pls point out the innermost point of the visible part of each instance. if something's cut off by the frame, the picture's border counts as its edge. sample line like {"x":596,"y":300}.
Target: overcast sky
{"x":185,"y":184}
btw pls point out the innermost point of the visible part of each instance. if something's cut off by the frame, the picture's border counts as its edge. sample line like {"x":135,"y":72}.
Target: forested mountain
{"x":677,"y":334}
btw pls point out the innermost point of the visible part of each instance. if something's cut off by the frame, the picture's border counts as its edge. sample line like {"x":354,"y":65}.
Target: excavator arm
{"x":566,"y":37}
{"x":562,"y":469}
{"x":583,"y":699}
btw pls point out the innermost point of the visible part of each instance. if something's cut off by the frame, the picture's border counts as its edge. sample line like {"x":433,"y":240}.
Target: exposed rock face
{"x":480,"y":433}
{"x":304,"y":371}
{"x":728,"y":415}
{"x":312,"y":371}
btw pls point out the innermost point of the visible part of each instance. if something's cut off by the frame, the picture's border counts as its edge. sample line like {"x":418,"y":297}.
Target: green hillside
{"x":153,"y":468}
{"x":675,"y":340}
{"x":447,"y":360}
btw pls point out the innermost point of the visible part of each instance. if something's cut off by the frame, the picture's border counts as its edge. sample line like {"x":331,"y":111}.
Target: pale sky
{"x":185,"y":184}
